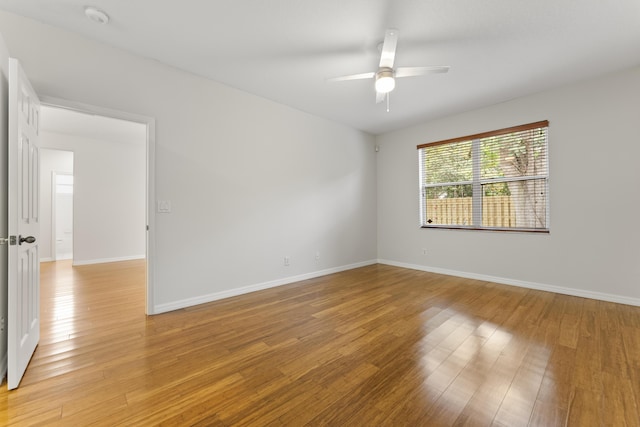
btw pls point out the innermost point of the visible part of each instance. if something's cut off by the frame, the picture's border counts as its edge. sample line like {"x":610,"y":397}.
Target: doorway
{"x":107,"y":190}
{"x":56,"y":204}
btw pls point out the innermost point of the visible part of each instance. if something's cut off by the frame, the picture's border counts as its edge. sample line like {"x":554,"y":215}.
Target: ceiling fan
{"x":385,"y":77}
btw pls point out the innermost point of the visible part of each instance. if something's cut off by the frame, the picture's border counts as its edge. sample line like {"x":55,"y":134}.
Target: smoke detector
{"x":96,"y":15}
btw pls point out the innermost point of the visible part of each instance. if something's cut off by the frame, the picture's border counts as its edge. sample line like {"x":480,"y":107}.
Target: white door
{"x":23,"y":322}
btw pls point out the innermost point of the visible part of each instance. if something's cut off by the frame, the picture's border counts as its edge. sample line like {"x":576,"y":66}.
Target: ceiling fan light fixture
{"x":385,"y":80}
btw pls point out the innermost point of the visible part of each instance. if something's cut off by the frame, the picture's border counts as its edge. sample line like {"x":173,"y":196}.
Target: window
{"x":495,"y":180}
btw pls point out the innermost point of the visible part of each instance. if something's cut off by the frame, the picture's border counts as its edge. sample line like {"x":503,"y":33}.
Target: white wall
{"x":592,"y":248}
{"x":109,"y":197}
{"x":4,"y":195}
{"x":250,"y":181}
{"x":50,"y":161}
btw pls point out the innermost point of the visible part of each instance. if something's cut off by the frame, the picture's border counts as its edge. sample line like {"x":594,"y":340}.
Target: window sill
{"x":502,"y":229}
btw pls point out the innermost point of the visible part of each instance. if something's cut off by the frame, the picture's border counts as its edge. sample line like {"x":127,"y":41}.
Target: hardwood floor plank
{"x":547,"y":415}
{"x":518,"y":403}
{"x":375,"y":346}
{"x":467,"y":384}
{"x":586,"y":410}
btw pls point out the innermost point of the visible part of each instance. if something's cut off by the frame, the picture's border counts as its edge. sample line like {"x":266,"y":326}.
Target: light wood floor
{"x":375,"y":346}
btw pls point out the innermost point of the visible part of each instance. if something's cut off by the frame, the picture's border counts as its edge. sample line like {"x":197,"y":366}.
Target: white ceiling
{"x":284,"y":50}
{"x":68,"y":122}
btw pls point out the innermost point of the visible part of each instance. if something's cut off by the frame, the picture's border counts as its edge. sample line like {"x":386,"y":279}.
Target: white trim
{"x":620,"y":299}
{"x":54,"y":204}
{"x":448,"y":184}
{"x":511,"y":179}
{"x":151,"y":216}
{"x":105,"y":260}
{"x":92,"y":109}
{"x":189,"y":302}
{"x":476,"y":187}
{"x":150,"y":193}
{"x":46,"y":259}
{"x":52,"y":207}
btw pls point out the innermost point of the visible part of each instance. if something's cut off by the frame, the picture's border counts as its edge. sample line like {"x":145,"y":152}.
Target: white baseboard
{"x":620,"y":299}
{"x":189,"y":302}
{"x":105,"y":260}
{"x":46,"y":259}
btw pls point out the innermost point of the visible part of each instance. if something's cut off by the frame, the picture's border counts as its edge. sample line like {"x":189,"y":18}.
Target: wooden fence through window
{"x":497,"y":211}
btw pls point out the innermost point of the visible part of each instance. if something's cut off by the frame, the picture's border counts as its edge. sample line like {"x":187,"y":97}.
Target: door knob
{"x":28,"y":239}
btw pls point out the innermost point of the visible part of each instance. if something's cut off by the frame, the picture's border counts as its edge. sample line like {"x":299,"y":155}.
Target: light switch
{"x":164,"y":206}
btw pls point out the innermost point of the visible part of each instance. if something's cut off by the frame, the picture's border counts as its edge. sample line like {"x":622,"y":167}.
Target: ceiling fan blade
{"x":352,"y":77}
{"x":419,"y":71}
{"x":388,"y":54}
{"x":380,"y":97}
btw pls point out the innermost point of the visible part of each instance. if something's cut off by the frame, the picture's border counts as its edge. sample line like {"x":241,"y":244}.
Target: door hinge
{"x":11,"y":240}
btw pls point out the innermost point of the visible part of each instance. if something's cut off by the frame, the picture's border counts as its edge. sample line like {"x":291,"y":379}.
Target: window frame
{"x":477,"y":181}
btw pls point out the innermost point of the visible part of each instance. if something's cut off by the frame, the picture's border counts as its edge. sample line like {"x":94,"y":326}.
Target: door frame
{"x":54,"y":216}
{"x":150,"y":188}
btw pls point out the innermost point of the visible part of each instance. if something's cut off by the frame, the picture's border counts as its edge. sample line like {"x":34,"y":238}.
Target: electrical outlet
{"x":424,"y":251}
{"x":287,"y":260}
{"x":317,"y":255}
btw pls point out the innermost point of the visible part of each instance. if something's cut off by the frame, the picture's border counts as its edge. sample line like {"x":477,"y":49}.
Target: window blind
{"x":493,"y":180}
